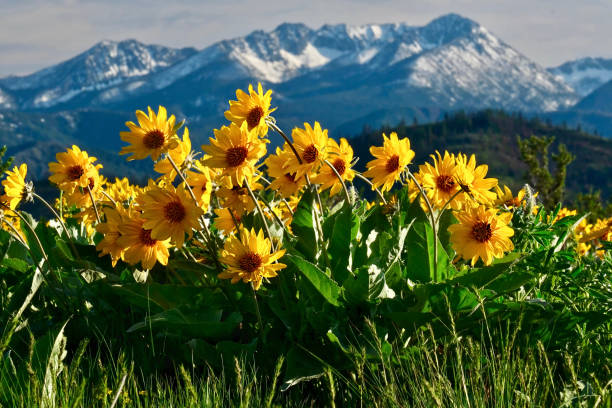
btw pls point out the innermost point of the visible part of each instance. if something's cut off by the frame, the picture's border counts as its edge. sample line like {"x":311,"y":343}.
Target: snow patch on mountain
{"x":584,"y":75}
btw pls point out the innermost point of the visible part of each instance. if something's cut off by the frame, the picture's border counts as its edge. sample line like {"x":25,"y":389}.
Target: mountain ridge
{"x":440,"y":63}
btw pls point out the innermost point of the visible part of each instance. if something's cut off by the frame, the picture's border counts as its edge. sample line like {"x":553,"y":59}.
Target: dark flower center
{"x":154,"y":139}
{"x":310,"y":154}
{"x":174,"y":211}
{"x":236,"y":155}
{"x":254,"y":117}
{"x":445,"y":183}
{"x":239,"y":191}
{"x":481,"y":231}
{"x":250,"y":262}
{"x":392,"y":164}
{"x":512,"y":202}
{"x":340,"y":166}
{"x":290,"y":177}
{"x":145,"y":237}
{"x":75,"y":172}
{"x":92,"y":183}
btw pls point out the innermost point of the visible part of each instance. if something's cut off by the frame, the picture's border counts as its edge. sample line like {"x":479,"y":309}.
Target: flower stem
{"x":61,"y":221}
{"x":364,"y":178}
{"x":16,"y":233}
{"x":29,"y":227}
{"x":212,"y":246}
{"x":261,"y":213}
{"x":446,"y":205}
{"x":257,"y":309}
{"x":93,"y":203}
{"x":346,"y":193}
{"x":109,"y":197}
{"x":284,"y":136}
{"x":433,"y":223}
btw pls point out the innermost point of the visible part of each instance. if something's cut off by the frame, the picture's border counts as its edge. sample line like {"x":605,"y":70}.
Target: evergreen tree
{"x":534,"y":153}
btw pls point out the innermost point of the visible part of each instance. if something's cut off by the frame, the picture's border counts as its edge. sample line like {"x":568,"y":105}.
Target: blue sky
{"x":38,"y":33}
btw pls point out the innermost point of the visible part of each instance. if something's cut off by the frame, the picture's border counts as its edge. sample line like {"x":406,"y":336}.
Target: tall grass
{"x":450,"y":372}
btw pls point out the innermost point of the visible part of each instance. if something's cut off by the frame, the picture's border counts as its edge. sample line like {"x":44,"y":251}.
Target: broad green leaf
{"x":346,"y":225}
{"x":203,"y":324}
{"x":328,"y":288}
{"x":303,"y":226}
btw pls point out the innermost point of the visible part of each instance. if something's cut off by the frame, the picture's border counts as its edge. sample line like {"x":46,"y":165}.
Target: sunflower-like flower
{"x":564,"y":212}
{"x":121,"y":190}
{"x":201,"y":183}
{"x":138,"y":244}
{"x":252,"y":108}
{"x":249,"y":258}
{"x":471,"y":179}
{"x":180,"y":155}
{"x":235,"y":150}
{"x":80,"y":198}
{"x":237,"y":198}
{"x":390,"y":161}
{"x":341,"y":157}
{"x":481,"y":233}
{"x":507,"y":199}
{"x":154,"y":135}
{"x":284,"y":182}
{"x":438,"y":182}
{"x":170,"y":212}
{"x":311,"y":145}
{"x":15,"y":186}
{"x":110,"y":230}
{"x":224,"y":221}
{"x":73,"y":169}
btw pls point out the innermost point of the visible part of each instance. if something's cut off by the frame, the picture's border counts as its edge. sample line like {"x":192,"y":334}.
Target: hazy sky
{"x":38,"y":33}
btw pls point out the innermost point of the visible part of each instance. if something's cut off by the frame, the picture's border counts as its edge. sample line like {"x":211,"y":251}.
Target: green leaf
{"x":301,"y":366}
{"x":17,"y":264}
{"x":303,"y":226}
{"x":419,"y":255}
{"x":202,"y":323}
{"x":346,"y":225}
{"x":328,"y":288}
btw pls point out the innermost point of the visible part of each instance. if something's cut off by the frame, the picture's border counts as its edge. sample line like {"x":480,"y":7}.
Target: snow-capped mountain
{"x":584,"y":75}
{"x":105,"y":65}
{"x":450,"y":63}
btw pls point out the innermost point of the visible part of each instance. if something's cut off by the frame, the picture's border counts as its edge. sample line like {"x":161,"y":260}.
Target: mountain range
{"x":345,"y":76}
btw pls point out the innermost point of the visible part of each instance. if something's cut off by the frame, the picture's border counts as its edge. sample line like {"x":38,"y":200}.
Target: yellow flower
{"x":564,"y":212}
{"x":284,"y":182}
{"x":170,"y":213}
{"x":438,"y":182}
{"x":15,"y":186}
{"x":311,"y":145}
{"x":249,"y":258}
{"x":179,"y":155}
{"x":506,"y":198}
{"x":80,"y":196}
{"x":110,"y":230}
{"x":237,"y":198}
{"x":201,"y":183}
{"x":121,"y":190}
{"x":341,"y":157}
{"x":236,"y":151}
{"x":10,"y":216}
{"x":72,"y":169}
{"x":224,"y":221}
{"x":253,"y":109}
{"x":390,"y":161}
{"x":472,"y":181}
{"x":138,"y":244}
{"x":154,"y":135}
{"x":481,"y":233}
